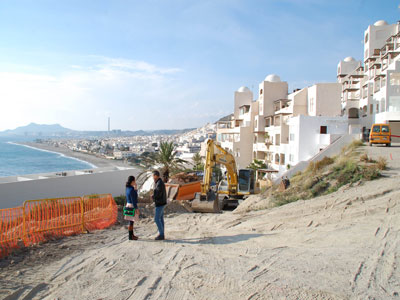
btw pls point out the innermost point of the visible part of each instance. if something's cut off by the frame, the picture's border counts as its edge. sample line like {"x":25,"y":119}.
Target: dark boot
{"x":131,"y":235}
{"x":134,"y":237}
{"x":160,"y":238}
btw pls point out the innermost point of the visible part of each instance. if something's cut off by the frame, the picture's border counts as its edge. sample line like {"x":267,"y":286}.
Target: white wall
{"x":308,"y":140}
{"x":271,"y":91}
{"x":377,"y":36}
{"x":15,"y":193}
{"x":324,"y":99}
{"x":241,"y":98}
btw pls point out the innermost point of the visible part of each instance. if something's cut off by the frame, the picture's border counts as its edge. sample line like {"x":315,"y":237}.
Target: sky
{"x":166,"y":64}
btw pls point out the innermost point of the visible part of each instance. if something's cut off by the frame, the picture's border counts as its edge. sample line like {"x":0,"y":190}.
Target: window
{"x":323,"y":130}
{"x":394,"y":103}
{"x":376,"y":129}
{"x":366,"y":38}
{"x":395,"y":79}
{"x":385,"y":128}
{"x":371,"y":109}
{"x":365,"y":91}
{"x":291,"y":137}
{"x":291,"y":157}
{"x":282,"y":159}
{"x":311,"y":107}
{"x":277,"y":139}
{"x":277,"y":158}
{"x":261,"y":91}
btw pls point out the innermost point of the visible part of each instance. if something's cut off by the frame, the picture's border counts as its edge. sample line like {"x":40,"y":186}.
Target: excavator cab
{"x":246,"y":181}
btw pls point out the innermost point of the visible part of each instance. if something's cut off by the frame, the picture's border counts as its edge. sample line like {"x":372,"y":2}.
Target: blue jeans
{"x":159,"y":219}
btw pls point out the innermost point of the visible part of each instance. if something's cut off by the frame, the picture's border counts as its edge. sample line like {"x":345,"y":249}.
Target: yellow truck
{"x":380,"y":134}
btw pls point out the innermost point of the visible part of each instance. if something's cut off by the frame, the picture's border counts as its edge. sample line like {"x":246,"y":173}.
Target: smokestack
{"x":108,"y":124}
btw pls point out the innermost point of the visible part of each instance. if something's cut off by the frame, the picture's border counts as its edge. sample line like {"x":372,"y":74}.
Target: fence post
{"x":83,"y":214}
{"x":24,"y":223}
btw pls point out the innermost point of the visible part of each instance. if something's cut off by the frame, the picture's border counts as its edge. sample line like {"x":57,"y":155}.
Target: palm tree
{"x":197,"y":162}
{"x":166,"y":157}
{"x":257,"y":164}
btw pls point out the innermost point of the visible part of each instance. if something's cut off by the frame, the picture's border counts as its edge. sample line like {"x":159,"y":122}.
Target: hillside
{"x":34,"y":128}
{"x":45,"y":130}
{"x":337,"y":246}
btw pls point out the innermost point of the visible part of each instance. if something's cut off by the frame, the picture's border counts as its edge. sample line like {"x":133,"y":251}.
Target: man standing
{"x":160,"y":200}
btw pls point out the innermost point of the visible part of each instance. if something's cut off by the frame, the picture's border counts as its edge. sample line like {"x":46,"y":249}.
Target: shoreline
{"x":93,"y":161}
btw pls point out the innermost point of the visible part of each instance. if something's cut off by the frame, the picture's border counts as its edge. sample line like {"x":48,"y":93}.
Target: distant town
{"x":130,"y":147}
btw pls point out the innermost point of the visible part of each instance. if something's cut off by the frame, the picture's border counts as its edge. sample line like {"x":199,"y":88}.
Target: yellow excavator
{"x":228,"y":192}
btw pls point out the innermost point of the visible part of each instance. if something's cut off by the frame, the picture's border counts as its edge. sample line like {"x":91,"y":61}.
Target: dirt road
{"x":344,"y":245}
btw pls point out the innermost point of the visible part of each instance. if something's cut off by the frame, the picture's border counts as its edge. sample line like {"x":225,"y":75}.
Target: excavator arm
{"x":215,"y":154}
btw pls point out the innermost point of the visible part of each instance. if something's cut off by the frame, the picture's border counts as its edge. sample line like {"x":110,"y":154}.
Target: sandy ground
{"x":99,"y":162}
{"x":344,"y":245}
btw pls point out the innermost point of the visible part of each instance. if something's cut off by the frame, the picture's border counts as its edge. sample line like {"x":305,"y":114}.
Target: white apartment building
{"x":235,"y":133}
{"x":123,"y":154}
{"x":269,"y":129}
{"x":371,"y":92}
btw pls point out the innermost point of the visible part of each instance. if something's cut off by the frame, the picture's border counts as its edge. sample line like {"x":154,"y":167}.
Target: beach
{"x":96,"y":161}
{"x":343,"y":245}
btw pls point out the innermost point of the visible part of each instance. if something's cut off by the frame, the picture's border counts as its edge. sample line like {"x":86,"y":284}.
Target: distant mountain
{"x":37,"y":130}
{"x":225,"y":119}
{"x":56,"y":130}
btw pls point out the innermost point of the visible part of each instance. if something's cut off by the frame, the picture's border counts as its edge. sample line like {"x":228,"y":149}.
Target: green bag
{"x":129,"y":211}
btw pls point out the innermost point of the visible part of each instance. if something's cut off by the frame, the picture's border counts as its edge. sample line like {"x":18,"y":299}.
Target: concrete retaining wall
{"x":13,"y":194}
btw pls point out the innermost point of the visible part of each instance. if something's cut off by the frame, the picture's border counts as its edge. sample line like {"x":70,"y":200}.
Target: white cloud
{"x":135,"y":94}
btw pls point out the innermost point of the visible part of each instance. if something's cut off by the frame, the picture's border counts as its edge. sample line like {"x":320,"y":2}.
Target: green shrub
{"x":120,"y":200}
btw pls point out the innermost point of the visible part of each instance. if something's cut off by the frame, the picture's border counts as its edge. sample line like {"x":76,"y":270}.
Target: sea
{"x":17,"y":159}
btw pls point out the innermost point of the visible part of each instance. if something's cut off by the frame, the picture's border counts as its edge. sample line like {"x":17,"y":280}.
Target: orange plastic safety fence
{"x":100,"y":211}
{"x":50,"y":218}
{"x":11,"y":229}
{"x":41,"y":220}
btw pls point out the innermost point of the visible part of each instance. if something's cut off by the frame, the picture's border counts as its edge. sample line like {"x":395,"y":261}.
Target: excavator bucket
{"x":206,"y":203}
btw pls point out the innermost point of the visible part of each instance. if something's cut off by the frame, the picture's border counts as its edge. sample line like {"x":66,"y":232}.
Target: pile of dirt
{"x":183,"y":177}
{"x":254,"y":202}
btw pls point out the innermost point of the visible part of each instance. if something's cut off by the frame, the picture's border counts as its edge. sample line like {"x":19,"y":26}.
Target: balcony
{"x":359,"y":73}
{"x":350,"y":87}
{"x":281,"y":104}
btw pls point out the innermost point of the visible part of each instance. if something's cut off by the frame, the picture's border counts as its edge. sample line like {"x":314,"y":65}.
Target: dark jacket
{"x":160,"y":194}
{"x":131,"y":196}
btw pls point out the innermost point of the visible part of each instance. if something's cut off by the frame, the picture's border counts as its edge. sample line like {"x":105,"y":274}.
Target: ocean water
{"x":21,"y":160}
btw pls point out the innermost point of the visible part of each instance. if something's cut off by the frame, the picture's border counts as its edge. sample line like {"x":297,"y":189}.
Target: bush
{"x":370,"y":172}
{"x":364,"y":158}
{"x":319,"y":188}
{"x":120,"y":200}
{"x":381,"y":163}
{"x":326,"y":161}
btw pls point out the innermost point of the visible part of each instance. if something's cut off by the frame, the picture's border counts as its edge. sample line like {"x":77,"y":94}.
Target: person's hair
{"x":130,"y":180}
{"x":155,"y":172}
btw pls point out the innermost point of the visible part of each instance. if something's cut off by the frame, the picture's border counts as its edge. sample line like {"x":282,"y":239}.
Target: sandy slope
{"x":340,"y":246}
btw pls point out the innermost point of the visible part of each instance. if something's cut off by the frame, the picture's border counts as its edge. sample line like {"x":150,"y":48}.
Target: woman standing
{"x":131,"y":201}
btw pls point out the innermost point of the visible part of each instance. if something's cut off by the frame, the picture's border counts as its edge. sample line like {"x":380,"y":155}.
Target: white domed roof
{"x":272,"y":78}
{"x":380,"y":23}
{"x":243,"y":89}
{"x":349,"y":58}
